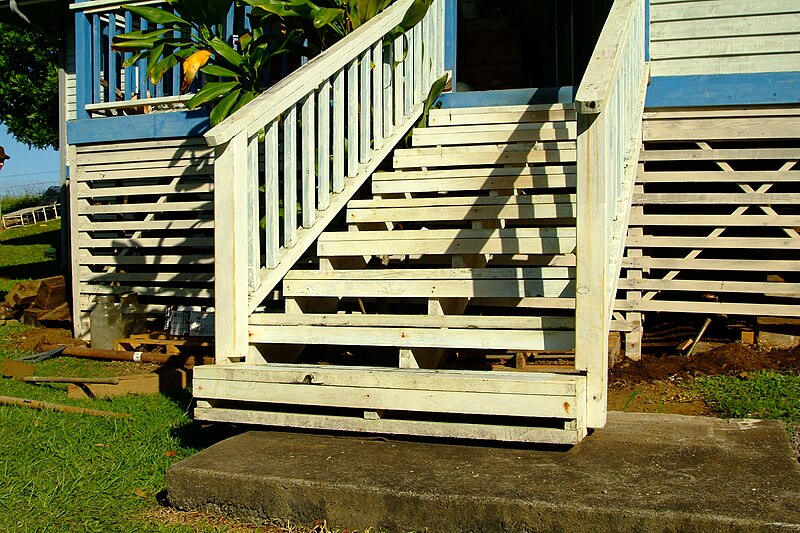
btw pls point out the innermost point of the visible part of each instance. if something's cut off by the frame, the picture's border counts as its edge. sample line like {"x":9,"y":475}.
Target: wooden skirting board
{"x":714,"y":227}
{"x":143,"y":220}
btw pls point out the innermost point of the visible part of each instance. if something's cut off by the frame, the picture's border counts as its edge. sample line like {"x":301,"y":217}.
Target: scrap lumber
{"x":162,"y":381}
{"x":137,"y":357}
{"x":35,"y":404}
{"x":23,"y":294}
{"x":52,"y":293}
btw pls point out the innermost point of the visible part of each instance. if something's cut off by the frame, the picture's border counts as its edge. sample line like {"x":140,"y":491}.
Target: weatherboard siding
{"x":702,"y":37}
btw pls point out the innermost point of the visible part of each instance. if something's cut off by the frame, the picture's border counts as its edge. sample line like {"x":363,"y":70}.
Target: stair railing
{"x":289,"y":161}
{"x":610,"y":104}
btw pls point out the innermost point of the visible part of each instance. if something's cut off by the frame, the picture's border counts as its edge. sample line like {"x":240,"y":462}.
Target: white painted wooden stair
{"x":468,"y":244}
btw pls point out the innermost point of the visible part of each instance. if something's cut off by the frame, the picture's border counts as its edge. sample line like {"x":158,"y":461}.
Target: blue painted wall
{"x":724,"y":89}
{"x":141,"y":127}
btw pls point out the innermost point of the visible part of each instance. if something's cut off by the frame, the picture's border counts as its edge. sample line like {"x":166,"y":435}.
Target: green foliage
{"x":193,"y":37}
{"x":21,"y":201}
{"x":29,"y":86}
{"x":763,"y":394}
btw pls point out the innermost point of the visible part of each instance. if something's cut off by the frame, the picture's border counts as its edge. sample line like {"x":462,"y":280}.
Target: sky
{"x":28,"y":170}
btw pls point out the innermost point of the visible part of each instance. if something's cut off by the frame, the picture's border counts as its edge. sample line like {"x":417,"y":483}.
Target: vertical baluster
{"x":439,"y":37}
{"x":271,"y":195}
{"x":97,"y":62}
{"x":388,"y":88}
{"x":338,"y":132}
{"x":159,"y":86}
{"x":253,"y":231}
{"x":227,"y":31}
{"x":419,"y":59}
{"x":141,"y":67}
{"x":352,"y":118}
{"x":83,"y":64}
{"x":130,"y":73}
{"x":426,"y":53}
{"x":364,"y":133}
{"x":176,"y":73}
{"x":399,"y":82}
{"x":290,"y":177}
{"x":377,"y":95}
{"x":308,"y":160}
{"x":408,"y":71}
{"x":323,"y":145}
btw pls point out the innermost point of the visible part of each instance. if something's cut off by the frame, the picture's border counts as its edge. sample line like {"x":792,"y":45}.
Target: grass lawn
{"x":28,"y":252}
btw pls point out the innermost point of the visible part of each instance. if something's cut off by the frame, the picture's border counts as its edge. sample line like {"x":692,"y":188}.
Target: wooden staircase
{"x":467,"y":246}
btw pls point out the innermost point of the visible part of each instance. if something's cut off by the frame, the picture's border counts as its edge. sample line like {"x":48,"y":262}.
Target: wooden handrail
{"x":602,"y":70}
{"x":266,"y":107}
{"x":105,"y":5}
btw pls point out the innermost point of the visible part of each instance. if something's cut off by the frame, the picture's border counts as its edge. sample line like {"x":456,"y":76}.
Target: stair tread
{"x":486,"y":154}
{"x":414,"y":321}
{"x":494,"y":133}
{"x":503,"y":273}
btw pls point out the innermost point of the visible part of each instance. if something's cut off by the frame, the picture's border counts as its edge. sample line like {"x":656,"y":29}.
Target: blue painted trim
{"x":138,"y":127}
{"x":647,"y":30}
{"x":541,"y":95}
{"x":451,"y":38}
{"x":724,"y":89}
{"x":83,"y":44}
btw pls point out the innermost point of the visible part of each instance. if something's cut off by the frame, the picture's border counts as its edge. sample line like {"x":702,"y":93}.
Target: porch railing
{"x":610,"y":103}
{"x":105,"y":87}
{"x":288,"y":162}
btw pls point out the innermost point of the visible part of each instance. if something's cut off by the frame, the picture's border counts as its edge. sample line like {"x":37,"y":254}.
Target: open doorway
{"x":512,"y":44}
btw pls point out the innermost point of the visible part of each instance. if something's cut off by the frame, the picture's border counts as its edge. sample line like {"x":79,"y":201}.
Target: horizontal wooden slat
{"x":129,"y":278}
{"x":453,"y":180}
{"x":506,"y":241}
{"x":717,"y":198}
{"x":715,"y":220}
{"x":161,"y":292}
{"x":414,"y":321}
{"x":148,"y":154}
{"x":419,"y":428}
{"x":145,"y":225}
{"x":713,"y":9}
{"x":721,"y":129}
{"x":146,"y":171}
{"x":85,"y":258}
{"x":708,"y":307}
{"x":515,"y":210}
{"x":773,"y":289}
{"x":494,"y":133}
{"x":713,"y":242}
{"x":740,"y":176}
{"x":726,"y":154}
{"x":720,"y":47}
{"x":745,"y":265}
{"x":85,"y":241}
{"x":501,"y":115}
{"x":533,"y":384}
{"x":159,"y":207}
{"x":500,"y":154}
{"x":190,"y":143}
{"x":721,"y":112}
{"x":770,"y":24}
{"x":198,"y":186}
{"x":483,"y":339}
{"x":744,"y":64}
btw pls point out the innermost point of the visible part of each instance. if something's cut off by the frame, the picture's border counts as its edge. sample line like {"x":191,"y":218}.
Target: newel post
{"x":593,"y":239}
{"x":231,"y":249}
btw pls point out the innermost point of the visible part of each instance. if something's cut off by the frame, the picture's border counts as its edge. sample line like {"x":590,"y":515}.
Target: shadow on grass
{"x":53,"y":238}
{"x":199,"y":435}
{"x":43,"y":269}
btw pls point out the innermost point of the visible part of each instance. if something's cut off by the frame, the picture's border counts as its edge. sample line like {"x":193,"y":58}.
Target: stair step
{"x":454,"y":208}
{"x":408,"y":401}
{"x":447,"y":242}
{"x":501,"y":115}
{"x":489,"y":154}
{"x":495,"y":133}
{"x":551,"y":282}
{"x":473,"y":179}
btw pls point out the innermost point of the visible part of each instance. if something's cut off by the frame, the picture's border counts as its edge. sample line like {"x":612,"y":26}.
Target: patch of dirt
{"x":37,"y":340}
{"x":730,"y":359}
{"x":670,"y":397}
{"x":206,"y":521}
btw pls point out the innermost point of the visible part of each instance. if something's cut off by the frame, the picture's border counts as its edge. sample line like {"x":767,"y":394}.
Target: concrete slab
{"x":642,"y":472}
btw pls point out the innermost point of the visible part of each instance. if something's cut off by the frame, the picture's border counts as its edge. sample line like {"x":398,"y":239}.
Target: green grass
{"x":28,"y":252}
{"x":67,"y":472}
{"x":763,"y":394}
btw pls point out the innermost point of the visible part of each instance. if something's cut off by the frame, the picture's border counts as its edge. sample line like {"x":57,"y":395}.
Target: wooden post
{"x":231,"y":249}
{"x":591,"y":310}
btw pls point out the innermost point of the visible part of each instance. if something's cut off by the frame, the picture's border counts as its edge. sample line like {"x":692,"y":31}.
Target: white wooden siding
{"x":146,"y":226}
{"x":724,"y":36}
{"x":69,"y":68}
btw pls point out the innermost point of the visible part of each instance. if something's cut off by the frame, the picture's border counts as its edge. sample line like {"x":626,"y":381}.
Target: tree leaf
{"x":325,"y":16}
{"x":159,"y":69}
{"x":211,"y":91}
{"x":223,"y":109}
{"x":216,"y":70}
{"x":155,"y":15}
{"x":226,"y":52}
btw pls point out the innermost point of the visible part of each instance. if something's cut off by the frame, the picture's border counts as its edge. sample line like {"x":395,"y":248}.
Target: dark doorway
{"x":512,"y":44}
